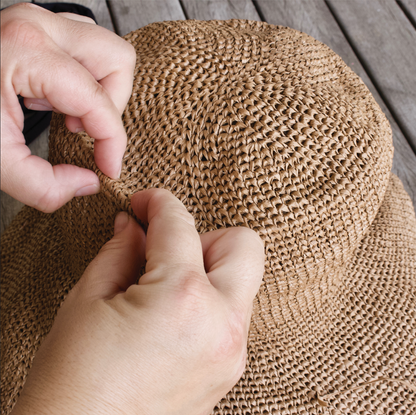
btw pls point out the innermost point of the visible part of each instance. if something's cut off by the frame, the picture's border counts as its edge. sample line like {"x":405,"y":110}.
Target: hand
{"x":173,"y":344}
{"x":66,"y":63}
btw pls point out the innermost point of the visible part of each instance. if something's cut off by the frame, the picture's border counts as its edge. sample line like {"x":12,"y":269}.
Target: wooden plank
{"x":7,"y":3}
{"x":220,"y":9}
{"x":409,"y":8}
{"x":384,"y":40}
{"x":129,"y":15}
{"x":98,"y":7}
{"x":315,"y":18}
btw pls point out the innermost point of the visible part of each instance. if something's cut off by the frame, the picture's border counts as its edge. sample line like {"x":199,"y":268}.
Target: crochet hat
{"x":254,"y":125}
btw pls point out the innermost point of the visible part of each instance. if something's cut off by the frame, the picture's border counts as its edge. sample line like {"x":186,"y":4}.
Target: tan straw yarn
{"x":253,"y":125}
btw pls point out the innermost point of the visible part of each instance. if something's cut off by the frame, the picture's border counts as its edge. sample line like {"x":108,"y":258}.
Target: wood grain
{"x":129,"y":15}
{"x":98,"y":7}
{"x":315,"y":18}
{"x":409,"y":7}
{"x":7,"y":3}
{"x":384,"y":40}
{"x":220,"y":9}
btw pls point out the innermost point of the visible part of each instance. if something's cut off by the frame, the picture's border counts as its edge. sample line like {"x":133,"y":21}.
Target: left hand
{"x":66,"y":63}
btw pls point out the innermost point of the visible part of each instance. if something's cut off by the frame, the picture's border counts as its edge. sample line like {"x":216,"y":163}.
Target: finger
{"x":83,"y":70}
{"x":109,"y":58}
{"x":35,"y":104}
{"x":234,"y":262}
{"x":117,"y":265}
{"x":74,"y":124}
{"x":172,"y":240}
{"x":91,"y":109}
{"x":72,"y":90}
{"x":114,"y":86}
{"x":47,"y":188}
{"x":33,"y":180}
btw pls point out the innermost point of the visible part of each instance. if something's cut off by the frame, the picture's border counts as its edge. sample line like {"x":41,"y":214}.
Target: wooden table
{"x":376,"y":38}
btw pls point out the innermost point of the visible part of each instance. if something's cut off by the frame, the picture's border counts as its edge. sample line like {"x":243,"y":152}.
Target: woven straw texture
{"x":250,"y":124}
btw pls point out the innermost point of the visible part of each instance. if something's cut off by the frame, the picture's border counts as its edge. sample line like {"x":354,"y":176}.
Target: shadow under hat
{"x":254,"y":125}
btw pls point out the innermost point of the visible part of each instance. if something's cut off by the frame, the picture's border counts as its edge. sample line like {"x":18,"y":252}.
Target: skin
{"x":66,"y":63}
{"x":175,"y":343}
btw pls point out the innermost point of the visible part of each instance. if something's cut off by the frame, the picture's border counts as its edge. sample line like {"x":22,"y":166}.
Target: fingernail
{"x":79,"y":130}
{"x":122,"y":219}
{"x":39,"y":107}
{"x":119,"y":173}
{"x":91,"y":189}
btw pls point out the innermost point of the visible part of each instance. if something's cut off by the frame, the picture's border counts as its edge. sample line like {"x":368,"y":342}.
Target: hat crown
{"x":248,"y":124}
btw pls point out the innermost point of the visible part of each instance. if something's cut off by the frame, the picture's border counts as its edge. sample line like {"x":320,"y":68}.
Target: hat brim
{"x":351,"y":347}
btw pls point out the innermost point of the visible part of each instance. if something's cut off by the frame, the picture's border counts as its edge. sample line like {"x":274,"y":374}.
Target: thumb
{"x":117,"y":265}
{"x":33,"y":180}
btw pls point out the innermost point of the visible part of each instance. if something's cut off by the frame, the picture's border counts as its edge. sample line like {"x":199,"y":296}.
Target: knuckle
{"x":22,"y":8}
{"x":190,"y":288}
{"x":123,"y":53}
{"x":98,"y":93}
{"x":25,"y":33}
{"x":232,"y":342}
{"x":191,"y":299}
{"x":27,"y":6}
{"x":97,"y":97}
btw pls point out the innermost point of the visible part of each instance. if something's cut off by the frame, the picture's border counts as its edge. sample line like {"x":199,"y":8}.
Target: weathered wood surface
{"x":384,"y":39}
{"x":130,"y":15}
{"x":98,"y":7}
{"x":315,"y":18}
{"x":7,"y":3}
{"x":220,"y":9}
{"x":409,"y":7}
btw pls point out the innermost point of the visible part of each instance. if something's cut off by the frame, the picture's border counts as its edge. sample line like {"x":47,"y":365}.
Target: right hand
{"x":173,"y":344}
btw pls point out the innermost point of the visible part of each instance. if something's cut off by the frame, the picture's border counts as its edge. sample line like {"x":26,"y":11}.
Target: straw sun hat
{"x":253,"y":125}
